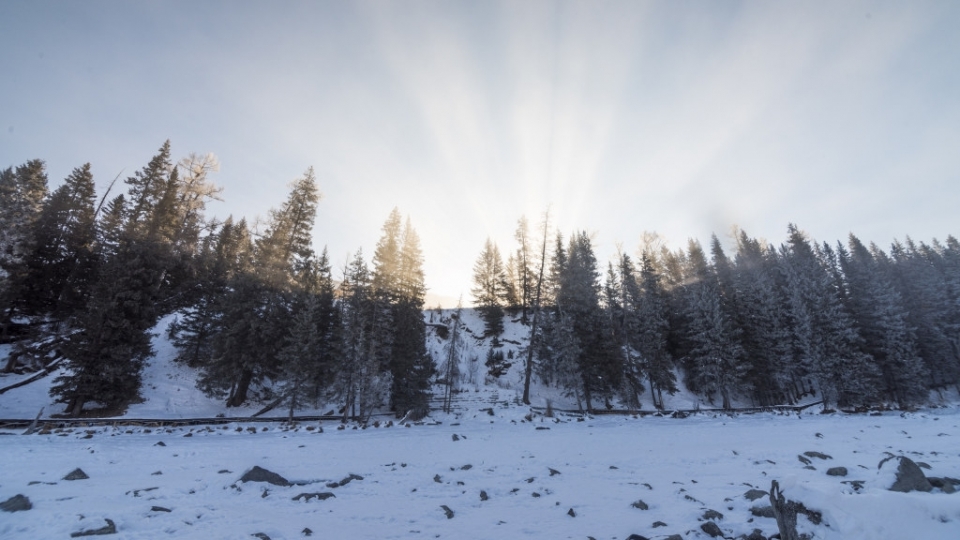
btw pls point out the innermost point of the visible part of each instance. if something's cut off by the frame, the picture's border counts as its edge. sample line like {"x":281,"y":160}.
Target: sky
{"x":684,"y":118}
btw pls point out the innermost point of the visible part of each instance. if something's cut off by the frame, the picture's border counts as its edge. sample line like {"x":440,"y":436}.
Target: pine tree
{"x":22,"y":192}
{"x":489,"y":290}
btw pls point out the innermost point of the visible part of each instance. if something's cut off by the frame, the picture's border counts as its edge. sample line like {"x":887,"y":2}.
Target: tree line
{"x":859,"y":325}
{"x":83,"y":281}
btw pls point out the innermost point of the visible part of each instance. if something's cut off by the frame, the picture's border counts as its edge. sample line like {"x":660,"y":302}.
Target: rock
{"x":306,"y":531}
{"x":658,"y":524}
{"x":436,"y":478}
{"x":455,"y":437}
{"x":637,"y":537}
{"x":674,"y":537}
{"x":76,"y":474}
{"x":17,"y":503}
{"x":348,"y":479}
{"x":571,"y":513}
{"x":447,"y":511}
{"x":909,"y":477}
{"x":757,"y":534}
{"x":763,"y":511}
{"x":711,"y":529}
{"x":946,"y":485}
{"x":483,"y":495}
{"x":817,"y":455}
{"x":159,"y":443}
{"x":711,"y":514}
{"x":804,"y":460}
{"x":553,"y":472}
{"x":109,"y":528}
{"x":923,"y":465}
{"x":837,"y":471}
{"x":261,"y":536}
{"x":856,"y":484}
{"x":257,"y":474}
{"x":755,"y":494}
{"x":466,"y":467}
{"x":308,"y":496}
{"x":640,"y":505}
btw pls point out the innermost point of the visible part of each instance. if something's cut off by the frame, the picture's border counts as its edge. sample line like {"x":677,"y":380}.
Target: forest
{"x":85,"y":279}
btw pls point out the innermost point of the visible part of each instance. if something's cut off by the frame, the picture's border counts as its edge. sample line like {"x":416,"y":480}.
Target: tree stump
{"x":785,"y":512}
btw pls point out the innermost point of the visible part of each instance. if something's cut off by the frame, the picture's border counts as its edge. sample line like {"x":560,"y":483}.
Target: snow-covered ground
{"x":679,"y":468}
{"x":564,"y":477}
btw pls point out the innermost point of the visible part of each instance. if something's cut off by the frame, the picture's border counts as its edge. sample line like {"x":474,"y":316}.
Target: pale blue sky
{"x":683,"y":118}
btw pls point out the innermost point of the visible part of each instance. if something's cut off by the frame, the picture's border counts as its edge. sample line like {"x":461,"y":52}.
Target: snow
{"x":679,"y":467}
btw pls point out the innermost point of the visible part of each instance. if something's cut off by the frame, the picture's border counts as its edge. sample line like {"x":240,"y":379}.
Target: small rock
{"x":763,"y":511}
{"x":711,"y":529}
{"x":466,"y":467}
{"x":817,"y":455}
{"x":674,"y":537}
{"x":946,"y":485}
{"x":640,"y":505}
{"x":571,"y":513}
{"x":530,"y":480}
{"x":109,"y":528}
{"x":159,"y":509}
{"x":637,"y":537}
{"x":306,"y":531}
{"x":436,"y":478}
{"x":837,"y":471}
{"x":224,"y":471}
{"x":804,"y":460}
{"x":156,"y":473}
{"x":553,"y":472}
{"x":159,"y":443}
{"x":755,"y":494}
{"x":447,"y":511}
{"x":757,"y":534}
{"x":456,"y":437}
{"x":320,"y":496}
{"x":17,"y":503}
{"x":258,"y":474}
{"x":261,"y":536}
{"x":483,"y":495}
{"x":658,"y":524}
{"x":711,"y":514}
{"x":76,"y":474}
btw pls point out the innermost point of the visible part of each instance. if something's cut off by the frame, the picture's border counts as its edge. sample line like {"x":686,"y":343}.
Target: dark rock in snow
{"x":763,"y":511}
{"x":804,"y":460}
{"x":637,"y":537}
{"x":923,"y":465}
{"x":571,"y":513}
{"x":658,"y":524}
{"x":674,"y":537}
{"x":306,"y":531}
{"x":909,"y":475}
{"x":711,"y":514}
{"x":159,"y":509}
{"x":350,"y":478}
{"x":320,"y":496}
{"x":159,"y":443}
{"x":16,"y":503}
{"x":755,"y":494}
{"x":817,"y":455}
{"x":857,"y":484}
{"x":553,"y":472}
{"x":640,"y":505}
{"x":456,"y":437}
{"x":261,"y":536}
{"x":76,"y":474}
{"x":483,"y":495}
{"x":946,"y":485}
{"x":258,"y":474}
{"x":757,"y":534}
{"x":447,"y":511}
{"x":837,"y":471}
{"x":711,"y":529}
{"x":109,"y":528}
{"x":436,"y":478}
{"x":466,"y":467}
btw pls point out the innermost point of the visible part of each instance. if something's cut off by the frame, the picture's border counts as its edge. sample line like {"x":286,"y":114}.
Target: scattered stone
{"x":483,"y":495}
{"x":530,"y":480}
{"x":640,"y":505}
{"x":909,"y":475}
{"x":456,"y":437}
{"x":755,"y":494}
{"x":535,"y":494}
{"x":320,"y":496}
{"x":648,"y":486}
{"x":553,"y":472}
{"x":350,"y":478}
{"x":571,"y":513}
{"x":258,"y":474}
{"x":637,"y":537}
{"x":804,"y":460}
{"x":224,"y":471}
{"x":674,"y":537}
{"x":763,"y":511}
{"x":757,"y":534}
{"x":711,"y":515}
{"x":306,"y":531}
{"x":159,"y":443}
{"x":711,"y":529}
{"x":810,"y":468}
{"x":261,"y":536}
{"x":946,"y":484}
{"x":447,"y":511}
{"x":466,"y":467}
{"x":136,"y":492}
{"x":658,"y":524}
{"x":159,"y":509}
{"x":76,"y":474}
{"x":109,"y":528}
{"x":542,"y":428}
{"x":157,"y":473}
{"x":614,"y":467}
{"x":189,"y":435}
{"x":17,"y":503}
{"x":837,"y":471}
{"x":436,"y":478}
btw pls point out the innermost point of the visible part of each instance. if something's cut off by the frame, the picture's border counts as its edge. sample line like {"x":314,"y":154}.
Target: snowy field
{"x":184,"y":482}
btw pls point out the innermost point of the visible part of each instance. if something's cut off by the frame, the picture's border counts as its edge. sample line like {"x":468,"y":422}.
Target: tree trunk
{"x":240,"y":392}
{"x":76,"y":407}
{"x":785,"y":512}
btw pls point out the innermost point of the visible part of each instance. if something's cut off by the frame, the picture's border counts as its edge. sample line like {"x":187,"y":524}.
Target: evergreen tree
{"x":489,"y":288}
{"x":22,"y":192}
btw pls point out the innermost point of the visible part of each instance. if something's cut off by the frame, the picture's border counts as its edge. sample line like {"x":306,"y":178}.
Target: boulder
{"x":909,"y":476}
{"x":755,"y":494}
{"x":757,"y":534}
{"x":76,"y":474}
{"x":711,"y":529}
{"x":763,"y":511}
{"x":837,"y":471}
{"x":257,"y":474}
{"x":17,"y":503}
{"x":640,"y":505}
{"x":711,"y":515}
